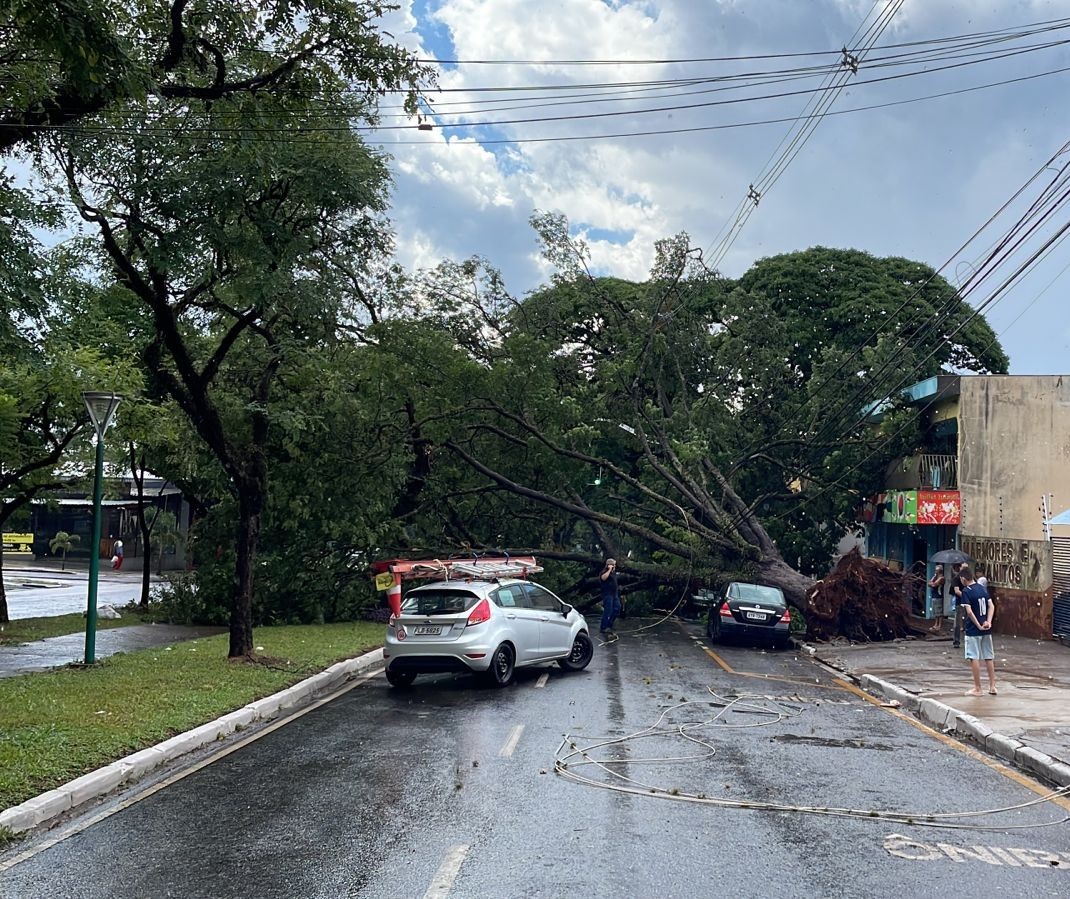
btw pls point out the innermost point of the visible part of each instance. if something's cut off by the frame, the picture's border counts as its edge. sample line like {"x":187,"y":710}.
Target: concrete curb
{"x":973,"y":730}
{"x":48,"y":806}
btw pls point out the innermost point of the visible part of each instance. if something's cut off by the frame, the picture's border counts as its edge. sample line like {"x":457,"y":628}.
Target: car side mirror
{"x":566,"y":609}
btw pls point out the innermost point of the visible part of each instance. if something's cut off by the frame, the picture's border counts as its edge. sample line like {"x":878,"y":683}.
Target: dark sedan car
{"x":750,"y":612}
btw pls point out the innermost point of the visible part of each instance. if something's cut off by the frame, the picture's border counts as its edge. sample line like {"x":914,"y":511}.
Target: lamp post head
{"x":101,"y":406}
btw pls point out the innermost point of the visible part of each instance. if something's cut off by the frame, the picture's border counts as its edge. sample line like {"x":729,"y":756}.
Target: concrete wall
{"x":1022,"y":613}
{"x":1014,"y":445}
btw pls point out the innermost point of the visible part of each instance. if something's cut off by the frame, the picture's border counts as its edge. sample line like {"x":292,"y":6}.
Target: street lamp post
{"x":101,"y":408}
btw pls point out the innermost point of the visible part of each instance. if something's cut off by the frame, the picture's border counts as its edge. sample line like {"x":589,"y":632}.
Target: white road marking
{"x":447,"y":873}
{"x":917,"y":851}
{"x":510,"y":744}
{"x":541,"y":682}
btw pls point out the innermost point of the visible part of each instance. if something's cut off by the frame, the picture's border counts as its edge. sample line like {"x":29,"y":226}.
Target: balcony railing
{"x":926,"y":471}
{"x":939,"y":472}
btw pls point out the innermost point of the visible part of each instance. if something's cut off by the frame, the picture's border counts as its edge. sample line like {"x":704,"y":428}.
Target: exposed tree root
{"x":863,"y":600}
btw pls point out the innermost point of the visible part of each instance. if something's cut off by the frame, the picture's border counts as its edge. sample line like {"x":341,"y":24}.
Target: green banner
{"x":901,"y":507}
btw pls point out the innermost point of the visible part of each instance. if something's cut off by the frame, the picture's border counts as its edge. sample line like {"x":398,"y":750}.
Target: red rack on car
{"x":481,"y":568}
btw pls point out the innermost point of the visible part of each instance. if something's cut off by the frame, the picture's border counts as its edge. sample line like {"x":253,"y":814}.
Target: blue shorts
{"x":979,"y":647}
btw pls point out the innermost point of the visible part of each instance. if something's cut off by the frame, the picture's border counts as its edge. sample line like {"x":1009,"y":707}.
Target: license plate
{"x":753,"y":616}
{"x":426,"y":629}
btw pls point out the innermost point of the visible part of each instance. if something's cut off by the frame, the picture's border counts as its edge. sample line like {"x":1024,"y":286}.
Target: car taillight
{"x":480,"y":613}
{"x":786,"y":617}
{"x":725,"y":611}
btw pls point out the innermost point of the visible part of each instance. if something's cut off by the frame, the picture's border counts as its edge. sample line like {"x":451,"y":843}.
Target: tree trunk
{"x":775,"y":572}
{"x":250,"y":507}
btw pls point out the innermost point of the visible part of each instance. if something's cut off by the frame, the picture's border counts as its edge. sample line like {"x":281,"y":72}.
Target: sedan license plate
{"x":427,"y":629}
{"x":753,"y":616}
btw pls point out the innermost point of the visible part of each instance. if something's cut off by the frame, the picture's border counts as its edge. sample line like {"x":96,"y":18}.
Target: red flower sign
{"x":939,"y":507}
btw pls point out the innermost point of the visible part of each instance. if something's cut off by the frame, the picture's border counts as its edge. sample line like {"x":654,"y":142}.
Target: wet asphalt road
{"x":47,"y":593}
{"x":450,"y":787}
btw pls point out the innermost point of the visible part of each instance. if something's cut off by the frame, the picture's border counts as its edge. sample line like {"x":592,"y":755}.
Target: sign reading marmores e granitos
{"x":1018,"y":564}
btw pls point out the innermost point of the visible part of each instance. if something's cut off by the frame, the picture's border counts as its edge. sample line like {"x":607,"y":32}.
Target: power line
{"x":287,"y":135}
{"x":706,"y":59}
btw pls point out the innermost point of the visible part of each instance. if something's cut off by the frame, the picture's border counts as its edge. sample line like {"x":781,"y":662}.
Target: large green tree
{"x":215,"y":210}
{"x":689,"y":424}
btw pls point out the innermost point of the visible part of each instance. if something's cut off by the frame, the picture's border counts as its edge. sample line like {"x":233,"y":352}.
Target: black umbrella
{"x":950,"y":557}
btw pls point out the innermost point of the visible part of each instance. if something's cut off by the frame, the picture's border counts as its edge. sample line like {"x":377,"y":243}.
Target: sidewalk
{"x":1033,"y":678}
{"x":55,"y":652}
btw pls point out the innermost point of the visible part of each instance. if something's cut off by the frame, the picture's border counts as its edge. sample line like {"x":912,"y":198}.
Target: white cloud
{"x":911,"y":180}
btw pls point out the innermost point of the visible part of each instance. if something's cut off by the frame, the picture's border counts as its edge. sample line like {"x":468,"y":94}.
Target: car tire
{"x":400,"y":678}
{"x":581,"y":654}
{"x":782,"y":643}
{"x":713,"y":630}
{"x":502,"y":665}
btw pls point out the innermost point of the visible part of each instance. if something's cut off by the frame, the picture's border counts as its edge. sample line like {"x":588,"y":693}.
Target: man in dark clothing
{"x":957,"y":586}
{"x":979,"y":609}
{"x":610,"y":595}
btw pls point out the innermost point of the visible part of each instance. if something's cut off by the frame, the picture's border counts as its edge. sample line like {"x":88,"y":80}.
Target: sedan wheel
{"x":713,"y":626}
{"x":400,"y":678}
{"x":501,"y":666}
{"x":581,"y":654}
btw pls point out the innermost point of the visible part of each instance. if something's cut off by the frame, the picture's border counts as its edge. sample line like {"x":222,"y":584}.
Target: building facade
{"x":995,"y":470}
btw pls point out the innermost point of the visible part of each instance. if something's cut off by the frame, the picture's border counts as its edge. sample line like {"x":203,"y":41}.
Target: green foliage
{"x":64,"y":543}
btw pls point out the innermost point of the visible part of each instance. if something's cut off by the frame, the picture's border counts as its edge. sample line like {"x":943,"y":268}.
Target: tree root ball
{"x":862,"y":600}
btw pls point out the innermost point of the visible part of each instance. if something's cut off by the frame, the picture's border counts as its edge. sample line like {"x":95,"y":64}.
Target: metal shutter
{"x":1060,"y":556}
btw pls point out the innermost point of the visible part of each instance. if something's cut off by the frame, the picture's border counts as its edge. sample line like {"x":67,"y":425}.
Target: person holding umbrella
{"x":956,"y":558}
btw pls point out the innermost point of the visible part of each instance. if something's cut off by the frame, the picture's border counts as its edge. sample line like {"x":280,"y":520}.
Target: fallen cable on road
{"x":570,"y":756}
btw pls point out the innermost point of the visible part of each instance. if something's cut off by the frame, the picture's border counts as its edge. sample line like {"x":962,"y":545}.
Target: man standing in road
{"x":117,"y":554}
{"x":979,"y":609}
{"x":610,"y":595}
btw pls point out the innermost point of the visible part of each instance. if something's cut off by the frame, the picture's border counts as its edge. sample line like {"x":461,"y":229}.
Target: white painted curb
{"x":971,"y":728}
{"x":48,"y":806}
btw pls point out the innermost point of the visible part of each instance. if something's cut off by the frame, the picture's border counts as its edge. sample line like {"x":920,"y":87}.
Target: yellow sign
{"x":18,"y":542}
{"x":384,"y":581}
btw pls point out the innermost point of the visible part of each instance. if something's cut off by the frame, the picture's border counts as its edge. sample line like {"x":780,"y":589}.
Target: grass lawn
{"x":25,"y":630}
{"x":61,"y":724}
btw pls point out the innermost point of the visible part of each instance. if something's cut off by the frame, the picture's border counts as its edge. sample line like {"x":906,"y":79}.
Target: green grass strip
{"x":61,"y":724}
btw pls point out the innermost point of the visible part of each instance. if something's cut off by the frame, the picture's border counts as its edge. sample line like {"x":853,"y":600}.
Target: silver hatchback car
{"x":488,"y":627}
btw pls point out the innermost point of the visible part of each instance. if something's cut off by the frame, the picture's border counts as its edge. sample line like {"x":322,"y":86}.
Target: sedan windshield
{"x":438,"y":602}
{"x":757,"y":593}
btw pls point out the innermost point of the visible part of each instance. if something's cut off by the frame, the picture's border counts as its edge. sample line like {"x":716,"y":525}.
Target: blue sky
{"x":912,"y":180}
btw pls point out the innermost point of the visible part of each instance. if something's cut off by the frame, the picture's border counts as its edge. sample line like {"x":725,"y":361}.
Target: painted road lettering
{"x":917,"y":851}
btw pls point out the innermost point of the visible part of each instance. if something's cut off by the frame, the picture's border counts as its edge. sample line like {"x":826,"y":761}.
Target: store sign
{"x":939,"y":507}
{"x":901,"y":507}
{"x":1018,"y":564}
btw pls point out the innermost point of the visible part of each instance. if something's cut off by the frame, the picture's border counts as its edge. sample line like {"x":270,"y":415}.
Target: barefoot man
{"x":979,"y":610}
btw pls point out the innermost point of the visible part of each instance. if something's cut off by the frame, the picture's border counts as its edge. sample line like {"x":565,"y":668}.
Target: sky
{"x":915,"y":179}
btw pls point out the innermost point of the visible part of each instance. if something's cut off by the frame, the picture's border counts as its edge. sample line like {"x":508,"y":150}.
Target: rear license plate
{"x":425,"y":629}
{"x":753,"y":616}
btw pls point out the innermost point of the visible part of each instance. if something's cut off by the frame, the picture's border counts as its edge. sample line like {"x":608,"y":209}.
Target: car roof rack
{"x":484,"y":568}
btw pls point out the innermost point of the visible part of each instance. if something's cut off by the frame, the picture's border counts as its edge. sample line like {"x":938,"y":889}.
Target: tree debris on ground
{"x":862,"y":600}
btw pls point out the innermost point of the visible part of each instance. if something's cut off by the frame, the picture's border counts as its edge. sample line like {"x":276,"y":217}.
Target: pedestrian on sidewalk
{"x":117,"y":555}
{"x":957,"y":587}
{"x":610,"y":595}
{"x":978,"y":609}
{"x":936,"y":585}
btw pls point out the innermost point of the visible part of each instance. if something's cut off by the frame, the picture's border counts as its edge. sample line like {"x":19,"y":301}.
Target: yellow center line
{"x":840,"y":684}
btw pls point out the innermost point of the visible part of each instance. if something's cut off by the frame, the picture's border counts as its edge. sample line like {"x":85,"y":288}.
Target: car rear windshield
{"x":757,"y":593}
{"x":438,"y":602}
